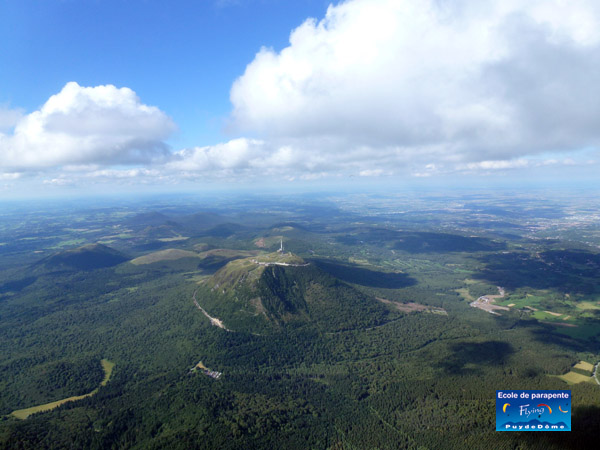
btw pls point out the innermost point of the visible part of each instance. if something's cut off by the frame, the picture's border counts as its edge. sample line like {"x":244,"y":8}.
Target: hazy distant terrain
{"x":388,"y":321}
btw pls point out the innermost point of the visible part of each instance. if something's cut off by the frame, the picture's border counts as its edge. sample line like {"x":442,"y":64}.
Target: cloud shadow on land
{"x":443,"y":242}
{"x":488,"y":353}
{"x":563,"y":270}
{"x":421,"y":242}
{"x":364,"y":277}
{"x":549,"y":333}
{"x":17,"y":285}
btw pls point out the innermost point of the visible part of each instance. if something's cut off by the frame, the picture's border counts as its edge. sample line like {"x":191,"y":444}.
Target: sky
{"x":147,"y":95}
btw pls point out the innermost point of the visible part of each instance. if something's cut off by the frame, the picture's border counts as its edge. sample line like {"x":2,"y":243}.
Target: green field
{"x":545,"y":315}
{"x":584,"y":330}
{"x":465,"y":294}
{"x":588,"y":305}
{"x":574,"y":377}
{"x":108,"y":367}
{"x":68,"y":243}
{"x":583,"y":365}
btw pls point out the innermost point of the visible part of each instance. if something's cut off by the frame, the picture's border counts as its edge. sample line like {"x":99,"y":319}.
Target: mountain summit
{"x":276,"y":290}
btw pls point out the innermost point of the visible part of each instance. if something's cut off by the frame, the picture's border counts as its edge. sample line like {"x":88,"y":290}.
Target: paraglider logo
{"x":533,"y":410}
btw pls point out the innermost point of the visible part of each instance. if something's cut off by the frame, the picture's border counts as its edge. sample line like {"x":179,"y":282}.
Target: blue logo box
{"x":533,"y":410}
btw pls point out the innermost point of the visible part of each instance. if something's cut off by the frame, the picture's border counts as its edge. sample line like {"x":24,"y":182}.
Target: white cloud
{"x":283,"y":158}
{"x":376,"y":88}
{"x":9,"y":117}
{"x":412,"y":81}
{"x":80,"y":167}
{"x":110,"y":178}
{"x":235,"y":154}
{"x":60,"y":181}
{"x":371,"y":173}
{"x":138,"y":172}
{"x":496,"y":165}
{"x":10,"y":176}
{"x":87,"y":125}
{"x":252,"y":157}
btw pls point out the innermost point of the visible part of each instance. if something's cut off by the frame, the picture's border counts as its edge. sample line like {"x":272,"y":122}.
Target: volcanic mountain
{"x":86,"y":257}
{"x":277,"y":290}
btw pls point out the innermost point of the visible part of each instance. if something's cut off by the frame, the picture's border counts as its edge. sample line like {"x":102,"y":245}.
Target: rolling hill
{"x":86,"y":257}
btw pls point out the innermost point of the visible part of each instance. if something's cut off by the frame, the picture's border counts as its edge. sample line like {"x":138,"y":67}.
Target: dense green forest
{"x":311,"y":356}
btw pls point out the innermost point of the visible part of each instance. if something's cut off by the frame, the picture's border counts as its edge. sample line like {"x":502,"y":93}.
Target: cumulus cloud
{"x":376,"y":88}
{"x":496,"y":165}
{"x":283,"y":158}
{"x":9,"y":117}
{"x":419,"y":82}
{"x":236,"y":154}
{"x":252,"y":157}
{"x":113,"y":177}
{"x":10,"y":176}
{"x":87,"y":125}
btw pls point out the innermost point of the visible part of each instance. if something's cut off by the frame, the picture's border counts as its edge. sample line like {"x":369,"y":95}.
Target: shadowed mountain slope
{"x":86,"y":257}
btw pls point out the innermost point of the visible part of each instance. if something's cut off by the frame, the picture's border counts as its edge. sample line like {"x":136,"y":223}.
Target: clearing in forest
{"x":23,"y":414}
{"x":206,"y":371}
{"x":486,"y":302}
{"x":584,"y":366}
{"x":411,"y":307}
{"x":465,"y":294}
{"x":201,"y":366}
{"x":588,"y":305}
{"x":574,"y":378}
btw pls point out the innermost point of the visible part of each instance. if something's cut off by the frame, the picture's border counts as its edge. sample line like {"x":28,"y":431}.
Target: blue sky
{"x":182,"y":56}
{"x":141,"y":94}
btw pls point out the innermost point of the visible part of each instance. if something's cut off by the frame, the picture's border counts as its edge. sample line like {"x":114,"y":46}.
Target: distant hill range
{"x":155,"y":225}
{"x":275,"y":290}
{"x":86,"y":257}
{"x":149,"y":219}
